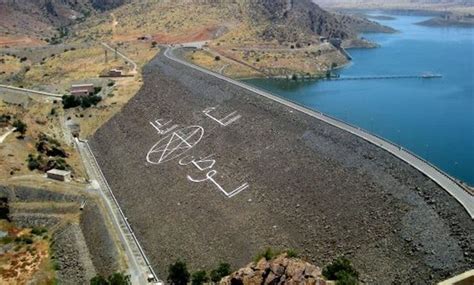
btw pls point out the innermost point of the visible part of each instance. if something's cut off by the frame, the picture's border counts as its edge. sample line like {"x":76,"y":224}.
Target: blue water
{"x":434,"y":118}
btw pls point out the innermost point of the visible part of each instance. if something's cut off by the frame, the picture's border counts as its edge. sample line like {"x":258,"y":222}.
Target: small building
{"x":115,"y":72}
{"x":82,"y":89}
{"x":60,"y":175}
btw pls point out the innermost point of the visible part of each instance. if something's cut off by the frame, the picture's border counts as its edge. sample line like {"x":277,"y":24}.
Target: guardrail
{"x":124,"y":218}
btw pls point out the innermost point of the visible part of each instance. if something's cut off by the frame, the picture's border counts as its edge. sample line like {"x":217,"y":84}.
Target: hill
{"x":427,"y":5}
{"x":40,"y":19}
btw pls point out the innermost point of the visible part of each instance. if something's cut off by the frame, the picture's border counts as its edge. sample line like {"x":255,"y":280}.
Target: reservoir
{"x":434,"y":118}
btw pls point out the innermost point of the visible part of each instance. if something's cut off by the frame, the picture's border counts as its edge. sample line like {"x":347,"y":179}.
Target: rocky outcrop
{"x":280,"y":270}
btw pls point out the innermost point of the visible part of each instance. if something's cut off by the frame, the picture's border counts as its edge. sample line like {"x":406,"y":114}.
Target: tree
{"x":119,"y":278}
{"x":221,"y":271}
{"x":178,"y":274}
{"x":217,"y":58}
{"x":99,"y":280}
{"x":199,"y":277}
{"x":342,"y":271}
{"x":70,"y":101}
{"x":20,"y":127}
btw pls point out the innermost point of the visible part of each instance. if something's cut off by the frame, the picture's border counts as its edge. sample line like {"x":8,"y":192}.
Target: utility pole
{"x":116,"y":56}
{"x":106,"y":59}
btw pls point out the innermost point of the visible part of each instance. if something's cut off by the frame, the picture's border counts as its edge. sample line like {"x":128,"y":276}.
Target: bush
{"x":70,"y":101}
{"x":178,"y":274}
{"x":342,"y":271}
{"x":97,"y":89}
{"x":291,"y":253}
{"x":117,"y":278}
{"x":221,"y":271}
{"x":268,"y":254}
{"x":34,"y":162}
{"x":99,"y":280}
{"x":5,"y":118}
{"x":38,"y":231}
{"x":217,"y":58}
{"x":20,"y":127}
{"x":199,"y":277}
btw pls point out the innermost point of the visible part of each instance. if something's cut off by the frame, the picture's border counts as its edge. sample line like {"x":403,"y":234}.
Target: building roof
{"x":82,"y":85}
{"x":55,"y":171}
{"x":79,"y":90}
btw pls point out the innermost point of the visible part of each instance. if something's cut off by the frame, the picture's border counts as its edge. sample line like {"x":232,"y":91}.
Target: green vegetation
{"x":34,"y":162}
{"x":270,"y":254}
{"x":20,"y":127}
{"x":38,"y":162}
{"x":5,"y":118}
{"x":117,"y":278}
{"x":199,"y":277}
{"x":178,"y":273}
{"x":24,"y":240}
{"x":341,"y":271}
{"x":71,"y":101}
{"x":221,"y":271}
{"x":38,"y":231}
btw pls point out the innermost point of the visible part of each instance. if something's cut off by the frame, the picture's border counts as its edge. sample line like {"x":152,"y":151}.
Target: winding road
{"x":438,"y":176}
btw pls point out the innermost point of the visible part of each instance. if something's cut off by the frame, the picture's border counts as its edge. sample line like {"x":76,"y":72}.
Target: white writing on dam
{"x":178,"y":141}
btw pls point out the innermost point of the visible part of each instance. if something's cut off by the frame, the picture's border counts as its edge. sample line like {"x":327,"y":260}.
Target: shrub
{"x":5,"y":118}
{"x":20,"y":127}
{"x":70,"y":101}
{"x":291,"y":253}
{"x":217,"y":58}
{"x":178,"y":273}
{"x":342,"y":271}
{"x":97,"y":89}
{"x":268,"y":254}
{"x":119,"y":278}
{"x":199,"y":277}
{"x":221,"y":271}
{"x":99,"y":280}
{"x":38,"y":231}
{"x":34,"y":162}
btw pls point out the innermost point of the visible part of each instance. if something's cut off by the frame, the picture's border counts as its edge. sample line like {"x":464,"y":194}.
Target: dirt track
{"x":312,"y":187}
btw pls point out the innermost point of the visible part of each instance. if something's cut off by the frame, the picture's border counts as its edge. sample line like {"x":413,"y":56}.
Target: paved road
{"x":134,"y":65}
{"x":438,"y":176}
{"x":5,"y":135}
{"x":139,"y":265}
{"x":47,"y":94}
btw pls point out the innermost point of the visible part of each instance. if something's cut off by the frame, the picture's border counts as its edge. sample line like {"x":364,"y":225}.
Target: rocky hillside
{"x":280,"y":270}
{"x":305,"y":18}
{"x":40,"y":16}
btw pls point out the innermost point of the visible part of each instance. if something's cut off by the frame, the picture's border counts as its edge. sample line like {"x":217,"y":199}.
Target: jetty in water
{"x":378,"y":77}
